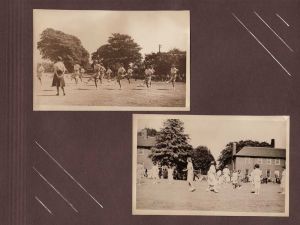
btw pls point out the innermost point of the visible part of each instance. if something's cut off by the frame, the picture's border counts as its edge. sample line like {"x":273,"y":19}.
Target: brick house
{"x":144,"y":145}
{"x":270,"y":159}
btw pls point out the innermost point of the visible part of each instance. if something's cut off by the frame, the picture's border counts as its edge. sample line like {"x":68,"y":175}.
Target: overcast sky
{"x":147,"y":28}
{"x":216,"y":131}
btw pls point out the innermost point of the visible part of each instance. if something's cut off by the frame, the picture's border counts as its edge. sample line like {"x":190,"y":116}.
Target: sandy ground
{"x":175,"y":196}
{"x":160,"y":94}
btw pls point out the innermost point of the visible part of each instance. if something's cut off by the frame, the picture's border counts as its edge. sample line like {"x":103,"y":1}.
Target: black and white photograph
{"x":94,"y":60}
{"x":210,"y":165}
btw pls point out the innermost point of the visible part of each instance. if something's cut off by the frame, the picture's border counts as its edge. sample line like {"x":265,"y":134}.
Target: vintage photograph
{"x":111,"y":60}
{"x":210,"y":165}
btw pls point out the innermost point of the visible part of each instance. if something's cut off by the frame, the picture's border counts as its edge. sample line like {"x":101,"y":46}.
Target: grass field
{"x":135,"y":94}
{"x":175,"y":196}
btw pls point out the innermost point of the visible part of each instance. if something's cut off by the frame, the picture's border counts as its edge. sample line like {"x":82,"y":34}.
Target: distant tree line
{"x":120,"y":49}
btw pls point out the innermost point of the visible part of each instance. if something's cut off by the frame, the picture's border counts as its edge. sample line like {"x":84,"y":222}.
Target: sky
{"x":217,"y":131}
{"x":148,"y":28}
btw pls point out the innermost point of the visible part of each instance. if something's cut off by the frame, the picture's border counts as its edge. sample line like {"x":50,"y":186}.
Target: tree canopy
{"x":226,"y":154}
{"x":202,"y":158}
{"x":172,"y":145}
{"x":163,"y":61}
{"x":121,"y":48}
{"x":56,"y":43}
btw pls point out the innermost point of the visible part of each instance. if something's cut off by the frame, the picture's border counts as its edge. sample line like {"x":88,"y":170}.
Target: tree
{"x":202,"y":158}
{"x":163,"y":61}
{"x":226,"y":154}
{"x":55,"y":43}
{"x":172,"y":145}
{"x":121,"y":48}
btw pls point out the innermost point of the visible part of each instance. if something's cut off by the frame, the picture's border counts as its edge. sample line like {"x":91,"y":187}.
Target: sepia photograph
{"x":210,"y":165}
{"x":93,"y":60}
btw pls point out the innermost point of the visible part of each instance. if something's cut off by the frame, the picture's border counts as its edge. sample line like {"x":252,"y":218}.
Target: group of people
{"x":99,"y":72}
{"x":215,"y":178}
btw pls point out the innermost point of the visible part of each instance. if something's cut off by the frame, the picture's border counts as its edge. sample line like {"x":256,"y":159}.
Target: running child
{"x":129,"y":73}
{"x":108,"y":74}
{"x":173,"y":76}
{"x":96,"y":74}
{"x":120,"y":75}
{"x":58,"y":78}
{"x":40,"y":71}
{"x":102,"y":72}
{"x":82,"y":71}
{"x":76,"y":73}
{"x":148,"y":76}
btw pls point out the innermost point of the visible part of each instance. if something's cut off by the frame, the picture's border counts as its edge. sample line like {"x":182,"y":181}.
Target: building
{"x":144,"y":145}
{"x":270,"y":159}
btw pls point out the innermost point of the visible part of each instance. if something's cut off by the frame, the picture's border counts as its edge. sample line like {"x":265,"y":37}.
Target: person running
{"x":256,"y":178}
{"x":108,"y":74}
{"x":120,"y":74}
{"x":102,"y":72}
{"x":148,"y":76}
{"x":190,"y":174}
{"x":82,"y":71}
{"x":173,"y":76}
{"x":76,"y":73}
{"x":58,"y":78}
{"x":95,"y":76}
{"x":129,"y":73}
{"x":40,"y":71}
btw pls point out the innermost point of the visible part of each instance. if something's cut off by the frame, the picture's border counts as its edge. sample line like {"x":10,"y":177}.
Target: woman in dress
{"x":190,"y":174}
{"x":58,"y":78}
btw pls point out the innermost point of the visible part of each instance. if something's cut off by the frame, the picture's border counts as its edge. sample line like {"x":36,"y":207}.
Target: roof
{"x":143,"y":141}
{"x":262,"y":152}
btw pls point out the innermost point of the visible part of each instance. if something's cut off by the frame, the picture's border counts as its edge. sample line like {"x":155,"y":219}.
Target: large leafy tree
{"x":202,"y":158}
{"x":163,"y":61}
{"x":172,"y":145}
{"x":121,"y":48}
{"x":54,"y":43}
{"x":225,"y":156}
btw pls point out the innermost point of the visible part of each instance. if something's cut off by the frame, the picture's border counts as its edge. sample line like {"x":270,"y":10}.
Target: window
{"x":277,"y":161}
{"x":269,"y":161}
{"x":259,"y":161}
{"x":140,"y":152}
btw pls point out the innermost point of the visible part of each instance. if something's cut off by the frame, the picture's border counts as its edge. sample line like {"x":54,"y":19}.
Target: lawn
{"x":135,"y":94}
{"x":175,"y":196}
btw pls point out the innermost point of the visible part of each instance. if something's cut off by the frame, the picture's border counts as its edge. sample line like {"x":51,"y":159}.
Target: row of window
{"x":263,"y":161}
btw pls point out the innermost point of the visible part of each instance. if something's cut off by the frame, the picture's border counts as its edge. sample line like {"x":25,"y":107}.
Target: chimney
{"x":233,"y":153}
{"x":272,"y":143}
{"x":234,"y":149}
